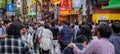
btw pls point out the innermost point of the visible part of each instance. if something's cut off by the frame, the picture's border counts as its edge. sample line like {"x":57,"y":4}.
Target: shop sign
{"x":25,"y":7}
{"x":63,"y":18}
{"x":10,"y":13}
{"x":64,"y":3}
{"x":64,"y":11}
{"x":65,"y":7}
{"x":102,"y":18}
{"x":55,"y":1}
{"x":34,"y":1}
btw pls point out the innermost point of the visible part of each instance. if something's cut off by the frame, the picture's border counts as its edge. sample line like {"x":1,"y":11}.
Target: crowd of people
{"x":59,"y":38}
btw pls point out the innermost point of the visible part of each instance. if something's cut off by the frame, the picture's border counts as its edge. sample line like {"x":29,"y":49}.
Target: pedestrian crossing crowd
{"x":79,"y":37}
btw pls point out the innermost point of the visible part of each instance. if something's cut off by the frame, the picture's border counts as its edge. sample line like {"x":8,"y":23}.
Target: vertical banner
{"x":65,"y":7}
{"x":64,"y":10}
{"x":84,"y":8}
{"x":76,"y":4}
{"x":64,"y":3}
{"x":25,"y":7}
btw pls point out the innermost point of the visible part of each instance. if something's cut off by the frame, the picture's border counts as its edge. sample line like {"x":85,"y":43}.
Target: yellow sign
{"x":97,"y":17}
{"x":34,"y":1}
{"x":55,"y":1}
{"x":63,"y":18}
{"x":64,"y":12}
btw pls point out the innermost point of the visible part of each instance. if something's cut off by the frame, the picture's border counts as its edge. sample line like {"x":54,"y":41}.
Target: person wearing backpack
{"x":55,"y":32}
{"x":45,"y":37}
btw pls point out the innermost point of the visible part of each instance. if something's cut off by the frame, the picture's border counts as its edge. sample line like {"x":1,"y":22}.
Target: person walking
{"x":55,"y":32}
{"x":45,"y":39}
{"x":101,"y":46}
{"x":115,"y":37}
{"x":12,"y":44}
{"x":66,"y":34}
{"x":27,"y":37}
{"x":37,"y":33}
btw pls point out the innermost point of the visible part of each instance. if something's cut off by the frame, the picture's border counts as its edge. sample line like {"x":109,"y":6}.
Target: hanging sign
{"x":76,"y":4}
{"x":65,"y":7}
{"x":64,"y":11}
{"x":10,"y":7}
{"x":55,"y":1}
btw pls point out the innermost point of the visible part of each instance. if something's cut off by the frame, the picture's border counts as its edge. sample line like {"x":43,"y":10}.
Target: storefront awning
{"x":112,"y":7}
{"x":32,"y":14}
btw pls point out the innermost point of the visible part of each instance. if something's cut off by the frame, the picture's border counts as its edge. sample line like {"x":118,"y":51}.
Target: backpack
{"x":55,"y":32}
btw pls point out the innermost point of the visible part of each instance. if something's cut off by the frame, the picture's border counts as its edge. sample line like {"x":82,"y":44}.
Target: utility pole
{"x":12,"y":17}
{"x":5,"y":3}
{"x":12,"y":1}
{"x":5,"y":7}
{"x":36,"y":9}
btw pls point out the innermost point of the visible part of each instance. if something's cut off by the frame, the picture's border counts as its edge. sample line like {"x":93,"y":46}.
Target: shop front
{"x":106,"y":17}
{"x":74,"y":15}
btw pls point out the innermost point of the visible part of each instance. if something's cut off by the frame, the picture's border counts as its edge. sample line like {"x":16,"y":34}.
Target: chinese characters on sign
{"x":65,"y":7}
{"x":55,"y":1}
{"x":24,"y":7}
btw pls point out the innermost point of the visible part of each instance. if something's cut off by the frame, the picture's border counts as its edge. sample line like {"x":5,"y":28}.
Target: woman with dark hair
{"x":100,"y":46}
{"x":12,"y":44}
{"x":55,"y":31}
{"x":85,"y":30}
{"x":46,"y":39}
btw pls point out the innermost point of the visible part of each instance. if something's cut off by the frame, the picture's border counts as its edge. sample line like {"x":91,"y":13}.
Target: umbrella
{"x":32,"y":14}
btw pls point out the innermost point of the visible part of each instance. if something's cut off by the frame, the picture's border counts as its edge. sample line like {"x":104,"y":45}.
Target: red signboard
{"x":64,"y":7}
{"x":64,"y":11}
{"x":64,"y":3}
